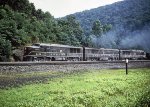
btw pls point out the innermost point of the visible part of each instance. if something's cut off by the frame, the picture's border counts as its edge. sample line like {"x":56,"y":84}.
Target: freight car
{"x":53,"y":52}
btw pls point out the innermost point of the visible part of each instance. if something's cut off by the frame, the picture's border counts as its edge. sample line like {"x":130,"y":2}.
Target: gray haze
{"x":139,"y":39}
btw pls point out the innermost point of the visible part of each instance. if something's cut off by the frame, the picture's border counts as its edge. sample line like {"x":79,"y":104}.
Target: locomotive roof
{"x":101,"y":49}
{"x":133,"y":50}
{"x":68,"y":46}
{"x":109,"y":49}
{"x":56,"y":45}
{"x":32,"y":46}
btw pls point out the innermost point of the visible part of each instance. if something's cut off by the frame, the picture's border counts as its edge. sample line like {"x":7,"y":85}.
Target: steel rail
{"x":26,"y":63}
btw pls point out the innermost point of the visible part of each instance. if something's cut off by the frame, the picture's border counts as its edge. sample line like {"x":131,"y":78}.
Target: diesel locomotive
{"x":58,"y":52}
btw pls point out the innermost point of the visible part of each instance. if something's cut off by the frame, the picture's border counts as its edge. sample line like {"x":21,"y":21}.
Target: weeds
{"x":95,"y":88}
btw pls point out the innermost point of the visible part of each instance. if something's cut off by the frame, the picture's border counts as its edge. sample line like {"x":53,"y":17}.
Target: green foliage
{"x":88,"y":41}
{"x":129,"y":14}
{"x":107,"y":28}
{"x":72,"y":30}
{"x":5,"y":49}
{"x":97,"y":28}
{"x":95,"y":88}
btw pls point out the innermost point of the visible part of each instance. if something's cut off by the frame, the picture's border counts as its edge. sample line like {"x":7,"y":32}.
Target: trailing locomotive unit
{"x":52,"y":52}
{"x":93,"y":54}
{"x":133,"y":54}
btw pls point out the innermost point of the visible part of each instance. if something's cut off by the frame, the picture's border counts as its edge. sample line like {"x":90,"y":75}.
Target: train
{"x":59,"y":52}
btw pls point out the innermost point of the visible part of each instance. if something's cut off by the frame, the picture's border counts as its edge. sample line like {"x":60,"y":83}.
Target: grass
{"x":95,"y":88}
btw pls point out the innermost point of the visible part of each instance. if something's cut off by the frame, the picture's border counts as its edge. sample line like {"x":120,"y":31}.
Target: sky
{"x":60,"y":8}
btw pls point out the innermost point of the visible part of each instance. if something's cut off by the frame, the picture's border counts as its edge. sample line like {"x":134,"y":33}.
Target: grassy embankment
{"x":99,"y":88}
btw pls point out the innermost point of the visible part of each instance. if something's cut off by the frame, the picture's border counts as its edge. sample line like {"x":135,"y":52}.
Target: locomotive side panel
{"x":110,"y":54}
{"x":52,"y":52}
{"x":92,"y":54}
{"x":75,"y":54}
{"x":133,"y":54}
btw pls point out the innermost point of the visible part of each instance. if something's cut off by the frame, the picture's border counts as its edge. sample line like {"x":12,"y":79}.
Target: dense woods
{"x":21,"y":24}
{"x":130,"y":20}
{"x":129,"y":14}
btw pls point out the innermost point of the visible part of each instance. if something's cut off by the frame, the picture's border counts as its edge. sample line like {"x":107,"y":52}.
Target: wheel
{"x":53,"y":59}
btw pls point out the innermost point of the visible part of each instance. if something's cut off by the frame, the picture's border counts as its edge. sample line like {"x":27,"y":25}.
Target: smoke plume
{"x":124,"y":39}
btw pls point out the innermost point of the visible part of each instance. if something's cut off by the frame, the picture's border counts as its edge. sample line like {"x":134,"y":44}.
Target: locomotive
{"x":58,"y":52}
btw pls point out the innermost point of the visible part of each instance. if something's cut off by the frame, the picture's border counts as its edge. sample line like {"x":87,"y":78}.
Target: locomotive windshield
{"x":36,"y":44}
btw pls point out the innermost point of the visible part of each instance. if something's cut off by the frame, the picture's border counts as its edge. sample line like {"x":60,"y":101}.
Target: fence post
{"x":127,"y":66}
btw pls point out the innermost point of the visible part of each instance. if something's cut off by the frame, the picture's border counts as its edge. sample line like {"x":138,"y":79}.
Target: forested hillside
{"x":130,"y":20}
{"x":21,"y":24}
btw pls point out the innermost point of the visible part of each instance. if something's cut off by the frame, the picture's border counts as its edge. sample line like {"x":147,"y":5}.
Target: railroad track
{"x":64,"y":62}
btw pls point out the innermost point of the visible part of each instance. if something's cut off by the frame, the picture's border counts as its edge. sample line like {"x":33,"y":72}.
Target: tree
{"x":88,"y":41}
{"x":34,"y":38}
{"x":63,"y":38}
{"x":3,"y":13}
{"x":76,"y":28}
{"x":97,"y":28}
{"x":5,"y":49}
{"x":8,"y":30}
{"x":39,"y":14}
{"x":71,"y":29}
{"x":107,"y":28}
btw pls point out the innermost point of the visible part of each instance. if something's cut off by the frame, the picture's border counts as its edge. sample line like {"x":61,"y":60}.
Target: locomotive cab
{"x":29,"y":51}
